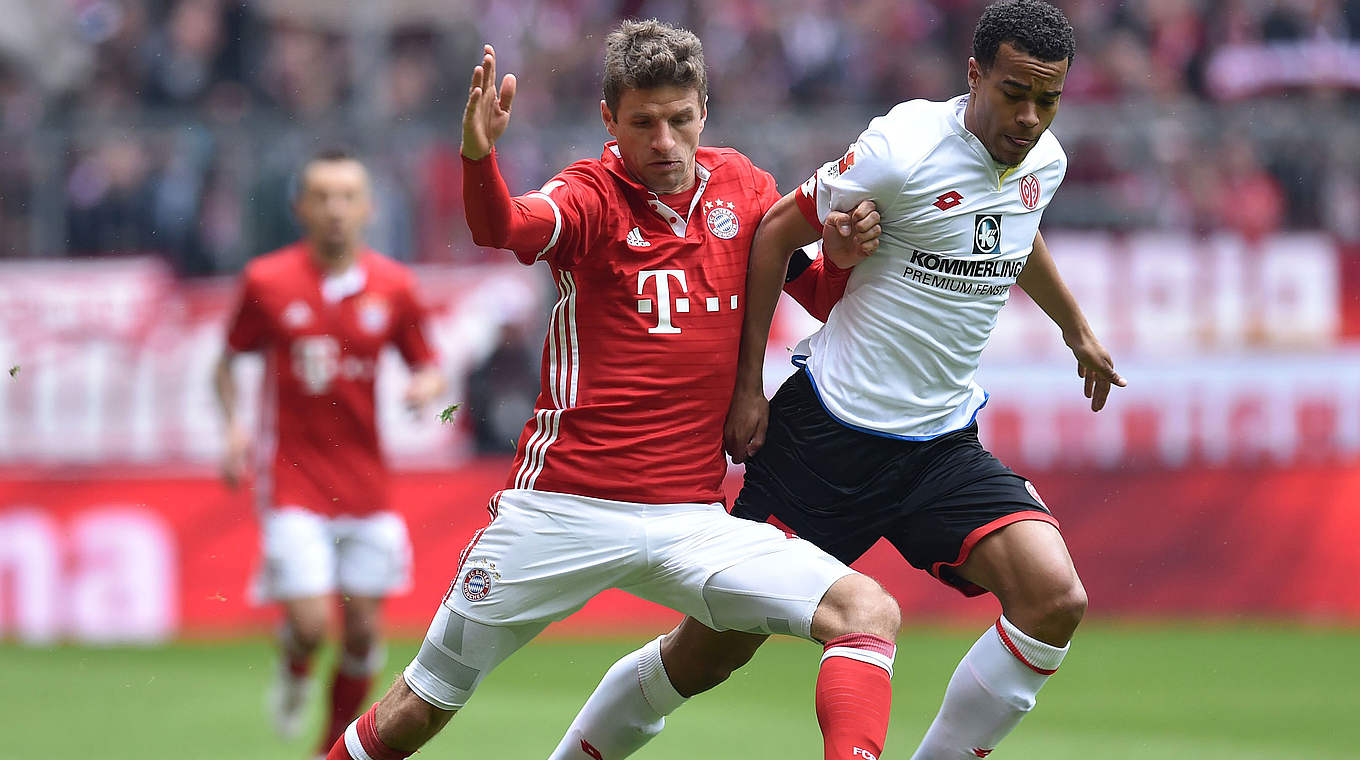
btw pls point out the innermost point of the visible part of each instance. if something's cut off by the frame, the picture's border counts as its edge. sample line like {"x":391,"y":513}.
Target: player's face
{"x":658,"y":133}
{"x":334,"y":204}
{"x":1013,"y":102}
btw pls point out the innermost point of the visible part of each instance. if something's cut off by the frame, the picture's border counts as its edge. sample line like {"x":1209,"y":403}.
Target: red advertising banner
{"x":102,"y":557}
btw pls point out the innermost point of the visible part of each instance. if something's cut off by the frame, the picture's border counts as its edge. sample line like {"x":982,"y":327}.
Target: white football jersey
{"x":898,"y":354}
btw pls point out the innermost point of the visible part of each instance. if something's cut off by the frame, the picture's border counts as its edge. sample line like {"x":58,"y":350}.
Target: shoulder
{"x":385,"y":269}
{"x":1050,"y":150}
{"x":276,"y":267}
{"x":909,"y":132}
{"x":731,"y":162}
{"x":588,"y":172}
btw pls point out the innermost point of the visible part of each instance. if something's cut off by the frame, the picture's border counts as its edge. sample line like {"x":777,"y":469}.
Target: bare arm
{"x":1041,"y":281}
{"x":783,"y":229}
{"x":237,"y":440}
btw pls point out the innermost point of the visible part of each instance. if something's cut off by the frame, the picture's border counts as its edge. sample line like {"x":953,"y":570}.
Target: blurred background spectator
{"x":173,"y":126}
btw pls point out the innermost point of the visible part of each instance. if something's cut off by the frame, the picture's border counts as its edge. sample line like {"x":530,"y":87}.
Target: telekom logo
{"x":665,"y":306}
{"x":663,"y":298}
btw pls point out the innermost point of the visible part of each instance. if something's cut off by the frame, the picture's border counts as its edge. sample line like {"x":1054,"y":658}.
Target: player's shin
{"x":991,"y":690}
{"x":854,"y":696}
{"x":351,"y":684}
{"x":360,"y":741}
{"x":625,"y":711}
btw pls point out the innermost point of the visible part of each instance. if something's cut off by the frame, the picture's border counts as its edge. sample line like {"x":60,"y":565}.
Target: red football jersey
{"x":641,"y":352}
{"x":321,"y":337}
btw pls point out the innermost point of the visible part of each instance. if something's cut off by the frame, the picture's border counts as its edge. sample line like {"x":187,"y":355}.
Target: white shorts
{"x":308,"y":554}
{"x":545,"y":555}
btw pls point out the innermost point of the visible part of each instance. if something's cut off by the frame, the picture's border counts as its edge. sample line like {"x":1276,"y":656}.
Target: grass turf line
{"x":1245,"y":692}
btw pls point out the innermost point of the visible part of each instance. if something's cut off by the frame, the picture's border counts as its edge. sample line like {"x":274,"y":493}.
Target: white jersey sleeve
{"x":869,"y":170}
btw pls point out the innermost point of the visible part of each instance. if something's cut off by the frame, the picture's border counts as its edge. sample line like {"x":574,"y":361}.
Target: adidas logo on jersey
{"x":635,"y":239}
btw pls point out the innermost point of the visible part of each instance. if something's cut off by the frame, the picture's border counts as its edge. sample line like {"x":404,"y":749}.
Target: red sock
{"x":854,"y":696}
{"x":364,"y":731}
{"x":347,"y":696}
{"x":299,"y":666}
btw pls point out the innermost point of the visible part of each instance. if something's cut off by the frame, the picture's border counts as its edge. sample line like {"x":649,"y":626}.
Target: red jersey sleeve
{"x":554,"y":223}
{"x":409,"y":335}
{"x":819,"y":286}
{"x":249,"y":327}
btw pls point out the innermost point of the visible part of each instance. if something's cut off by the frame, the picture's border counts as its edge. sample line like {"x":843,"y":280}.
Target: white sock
{"x":993,"y":687}
{"x":624,"y":712}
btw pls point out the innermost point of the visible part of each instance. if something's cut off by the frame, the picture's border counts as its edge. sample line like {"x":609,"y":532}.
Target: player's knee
{"x":1053,"y":614}
{"x":306,"y":636}
{"x":856,"y":604}
{"x":1064,"y":609}
{"x":359,"y":641}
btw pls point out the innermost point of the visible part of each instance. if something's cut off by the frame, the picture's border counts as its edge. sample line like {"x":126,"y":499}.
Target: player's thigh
{"x":544,"y":555}
{"x":735,"y":574}
{"x":299,"y":558}
{"x":373,"y":555}
{"x":963,"y":510}
{"x":457,"y":653}
{"x":1024,"y":562}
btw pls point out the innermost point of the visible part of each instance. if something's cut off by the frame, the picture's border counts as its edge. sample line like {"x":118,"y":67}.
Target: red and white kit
{"x":318,"y":449}
{"x":618,"y":477}
{"x":639,"y":361}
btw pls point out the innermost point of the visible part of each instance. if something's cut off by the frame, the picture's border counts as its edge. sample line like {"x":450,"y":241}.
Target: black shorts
{"x":843,"y":489}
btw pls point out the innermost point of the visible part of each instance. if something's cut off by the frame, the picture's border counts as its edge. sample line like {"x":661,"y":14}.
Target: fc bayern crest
{"x":476,"y":584}
{"x":1029,"y":191}
{"x":373,"y":314}
{"x":722,"y":221}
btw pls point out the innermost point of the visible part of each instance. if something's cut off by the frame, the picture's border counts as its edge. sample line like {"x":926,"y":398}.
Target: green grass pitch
{"x":1240,"y":691}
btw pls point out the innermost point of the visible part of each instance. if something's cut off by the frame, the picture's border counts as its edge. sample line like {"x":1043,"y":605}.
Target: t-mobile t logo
{"x":663,"y":298}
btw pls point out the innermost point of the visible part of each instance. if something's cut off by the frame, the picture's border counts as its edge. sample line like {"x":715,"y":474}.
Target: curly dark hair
{"x":641,"y":55}
{"x":1032,"y":26}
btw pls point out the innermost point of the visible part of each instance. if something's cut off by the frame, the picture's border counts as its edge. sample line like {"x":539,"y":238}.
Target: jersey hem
{"x":800,"y":361}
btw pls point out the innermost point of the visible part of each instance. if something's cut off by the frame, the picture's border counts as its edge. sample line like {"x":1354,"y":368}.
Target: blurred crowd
{"x":175,"y":126}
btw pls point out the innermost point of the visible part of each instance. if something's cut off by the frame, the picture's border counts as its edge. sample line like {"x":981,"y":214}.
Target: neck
{"x":334,"y":259}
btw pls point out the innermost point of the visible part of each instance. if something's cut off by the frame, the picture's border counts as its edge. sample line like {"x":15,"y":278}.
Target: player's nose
{"x":663,"y":140}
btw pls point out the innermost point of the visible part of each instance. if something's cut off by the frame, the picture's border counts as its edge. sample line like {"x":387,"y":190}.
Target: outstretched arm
{"x":524,"y":225}
{"x":1041,"y":281}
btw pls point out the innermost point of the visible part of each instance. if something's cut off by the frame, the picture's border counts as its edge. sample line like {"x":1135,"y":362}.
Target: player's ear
{"x":607,"y":117}
{"x":974,"y":75}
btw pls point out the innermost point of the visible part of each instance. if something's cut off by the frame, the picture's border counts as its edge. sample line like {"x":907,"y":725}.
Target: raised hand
{"x":848,"y":239}
{"x":487,"y":114}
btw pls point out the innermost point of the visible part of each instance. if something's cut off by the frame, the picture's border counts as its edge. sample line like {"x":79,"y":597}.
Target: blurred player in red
{"x":320,"y":311}
{"x":618,"y":479}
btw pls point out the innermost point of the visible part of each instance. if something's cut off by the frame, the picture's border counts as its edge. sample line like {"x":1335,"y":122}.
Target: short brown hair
{"x":642,"y":55}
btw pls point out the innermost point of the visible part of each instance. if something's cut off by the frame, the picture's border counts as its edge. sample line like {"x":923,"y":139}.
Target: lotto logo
{"x":864,"y":753}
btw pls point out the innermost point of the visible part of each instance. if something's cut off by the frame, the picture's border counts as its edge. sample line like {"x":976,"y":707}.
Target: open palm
{"x":487,"y":114}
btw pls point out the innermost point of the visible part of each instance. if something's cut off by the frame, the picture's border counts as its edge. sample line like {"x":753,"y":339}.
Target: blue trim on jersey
{"x":816,"y":392}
